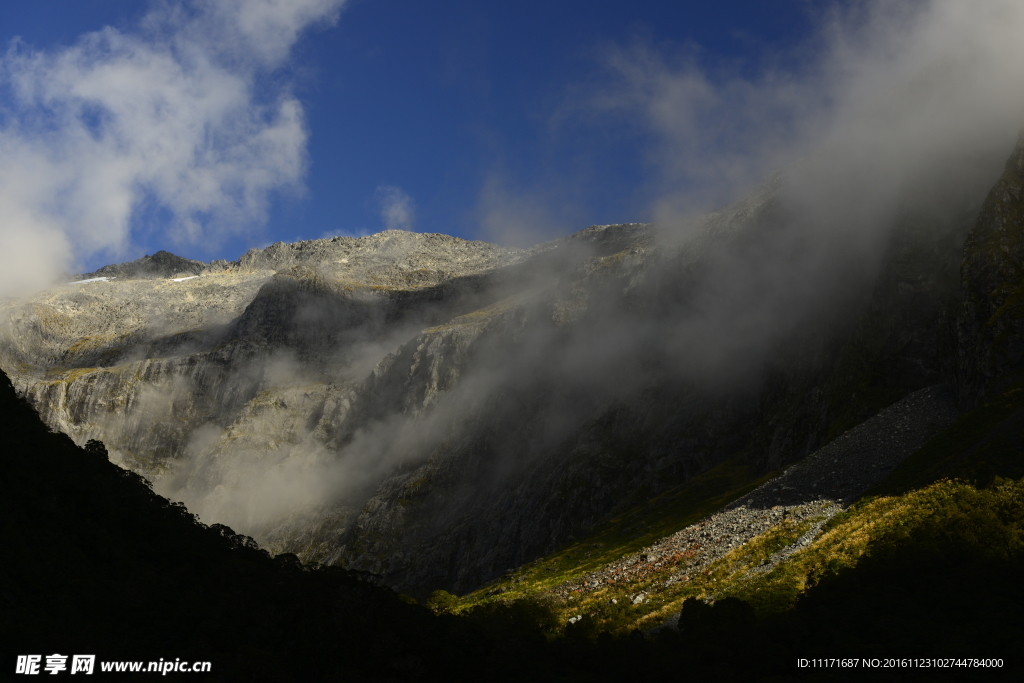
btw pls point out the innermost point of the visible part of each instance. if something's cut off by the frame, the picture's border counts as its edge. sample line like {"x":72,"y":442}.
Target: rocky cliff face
{"x":990,"y":323}
{"x":438,"y":411}
{"x":147,"y":357}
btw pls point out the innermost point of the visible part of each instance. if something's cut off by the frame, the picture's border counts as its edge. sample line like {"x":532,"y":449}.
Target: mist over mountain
{"x":438,"y":411}
{"x":780,"y":417}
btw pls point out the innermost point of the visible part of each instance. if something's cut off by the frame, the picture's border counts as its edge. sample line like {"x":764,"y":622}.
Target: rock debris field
{"x":818,"y":487}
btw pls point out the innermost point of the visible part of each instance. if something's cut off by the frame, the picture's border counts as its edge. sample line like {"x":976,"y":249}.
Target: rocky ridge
{"x":102,"y":359}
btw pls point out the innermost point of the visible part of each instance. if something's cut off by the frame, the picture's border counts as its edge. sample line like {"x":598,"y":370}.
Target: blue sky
{"x":206,"y":127}
{"x":450,"y":117}
{"x":439,"y":98}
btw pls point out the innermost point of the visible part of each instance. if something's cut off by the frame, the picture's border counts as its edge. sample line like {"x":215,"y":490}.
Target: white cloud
{"x":397,"y":209}
{"x":167,"y":114}
{"x":901,"y":114}
{"x":520,"y":217}
{"x":886,"y":90}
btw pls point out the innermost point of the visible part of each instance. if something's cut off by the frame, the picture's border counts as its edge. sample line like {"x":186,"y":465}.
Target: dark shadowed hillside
{"x":95,"y":563}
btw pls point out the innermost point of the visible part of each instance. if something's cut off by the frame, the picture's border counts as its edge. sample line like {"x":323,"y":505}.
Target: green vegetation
{"x":927,"y":566}
{"x":993,"y":289}
{"x":638,"y":527}
{"x":478,"y":316}
{"x":927,"y":561}
{"x":997,"y":245}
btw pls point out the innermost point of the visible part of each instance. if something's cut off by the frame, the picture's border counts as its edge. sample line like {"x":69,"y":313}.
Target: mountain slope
{"x":437,"y":411}
{"x":94,"y":562}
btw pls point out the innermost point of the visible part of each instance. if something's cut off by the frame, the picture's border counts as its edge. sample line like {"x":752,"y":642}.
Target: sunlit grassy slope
{"x":626,"y":534}
{"x":964,"y":490}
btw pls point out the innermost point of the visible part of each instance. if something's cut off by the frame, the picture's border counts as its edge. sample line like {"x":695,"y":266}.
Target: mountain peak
{"x":162,"y":264}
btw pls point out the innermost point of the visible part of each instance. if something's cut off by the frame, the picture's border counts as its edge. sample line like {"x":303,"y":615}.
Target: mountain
{"x":95,"y":562}
{"x":790,"y":440}
{"x":438,"y":412}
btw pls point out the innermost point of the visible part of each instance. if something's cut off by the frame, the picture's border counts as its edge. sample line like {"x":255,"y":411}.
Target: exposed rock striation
{"x":144,"y":360}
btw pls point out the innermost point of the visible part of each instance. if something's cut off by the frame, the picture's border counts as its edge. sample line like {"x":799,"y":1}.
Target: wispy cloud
{"x":884,"y":91}
{"x":173,"y":115}
{"x":397,"y":209}
{"x":879,"y":96}
{"x":520,"y":217}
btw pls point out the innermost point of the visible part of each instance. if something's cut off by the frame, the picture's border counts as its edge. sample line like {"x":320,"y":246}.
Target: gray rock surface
{"x":144,"y":360}
{"x":162,"y":264}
